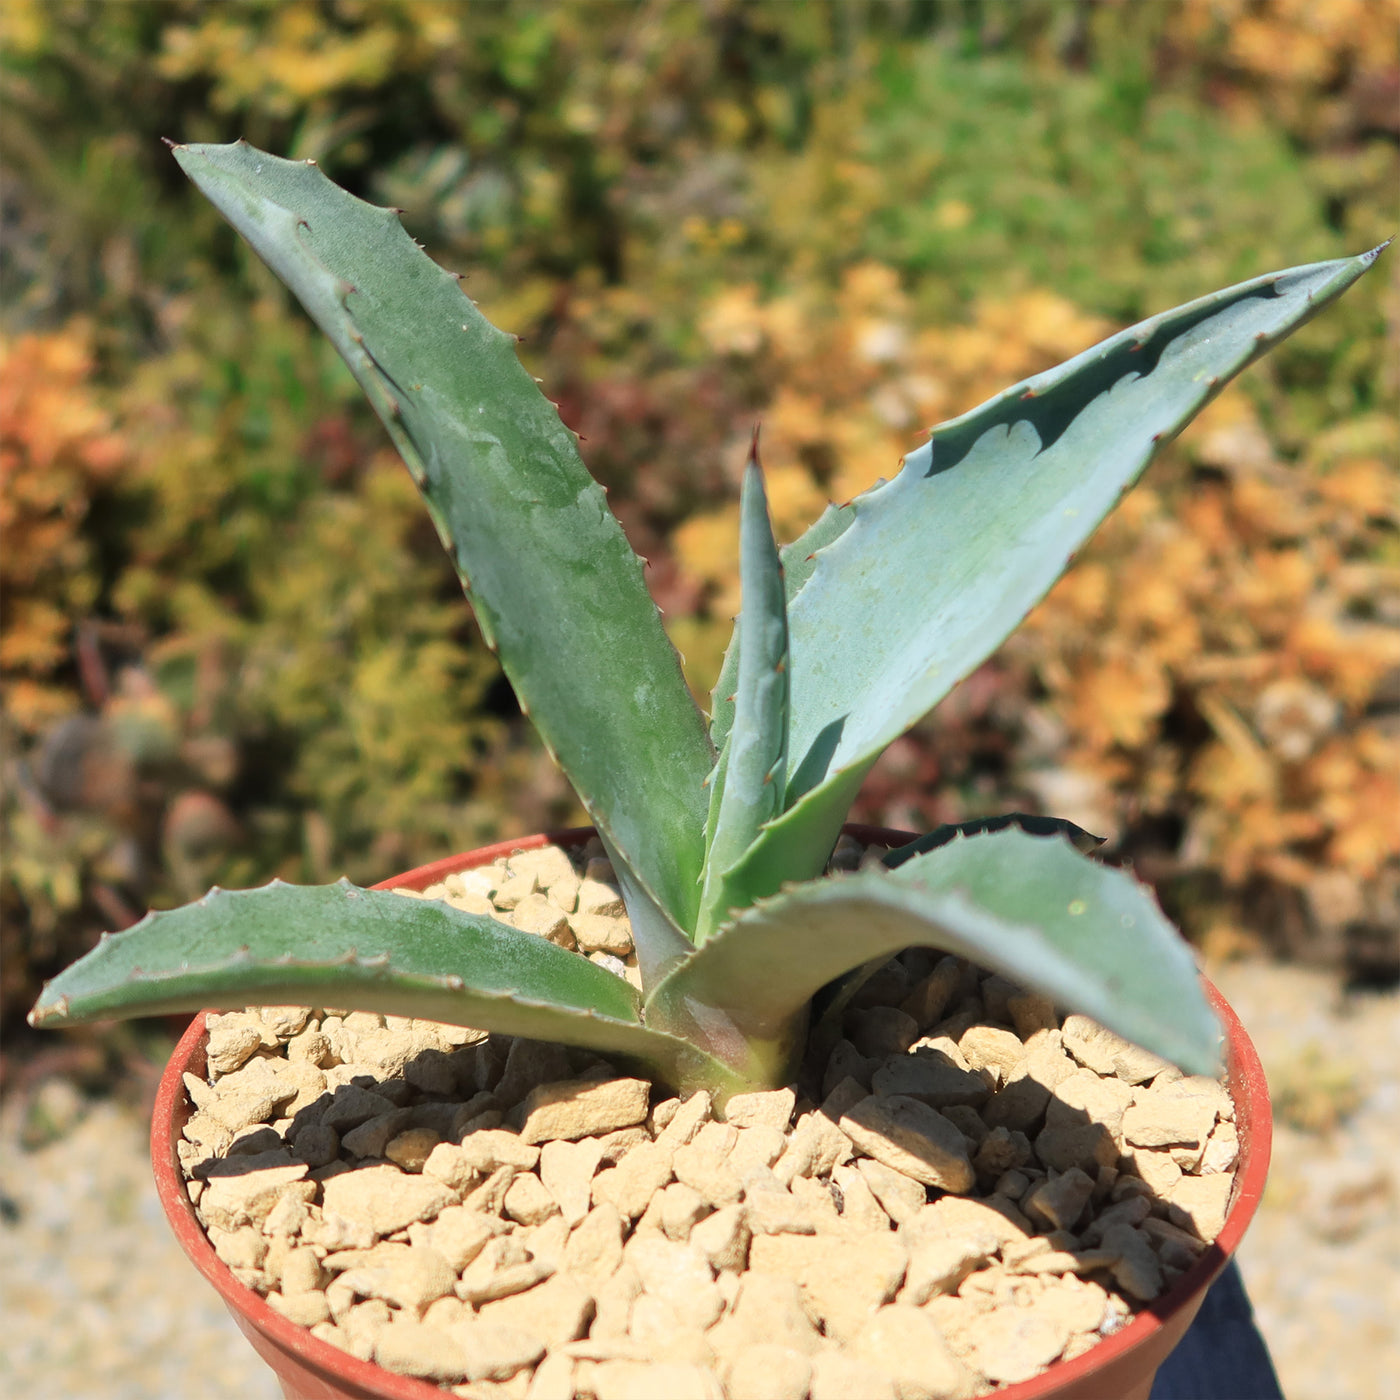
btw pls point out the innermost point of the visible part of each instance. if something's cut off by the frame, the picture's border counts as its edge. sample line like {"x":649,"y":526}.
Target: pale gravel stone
{"x":411,"y":1348}
{"x":1158,"y":1169}
{"x":410,"y":1279}
{"x":601,"y":933}
{"x":554,"y":1312}
{"x":860,"y":1209}
{"x":411,"y":1149}
{"x":513,"y":891}
{"x":681,"y":1208}
{"x":842,"y":1281}
{"x":1176,"y":1114}
{"x":631,"y":1184}
{"x":490,"y":1197}
{"x":447,"y":1163}
{"x":540,"y":915}
{"x":490,"y":1148}
{"x":1013,"y":1344}
{"x":912,"y":1138}
{"x":301,"y":1271}
{"x":661,"y":1331}
{"x":1025,"y":1095}
{"x":372,"y":1137}
{"x":386,"y":1198}
{"x":1107,"y":1053}
{"x":847,"y":1062}
{"x":679,"y":1273}
{"x":901,"y":1196}
{"x":838,"y":1376}
{"x":991,"y":1049}
{"x":819,"y":1198}
{"x":817,"y":1145}
{"x":1138,"y":1272}
{"x":1031,"y":1012}
{"x":705,"y":1167}
{"x":504,"y":1267}
{"x":247,"y":1198}
{"x":232,"y":1041}
{"x":243,"y":1248}
{"x":527,"y":1202}
{"x":578,"y":1108}
{"x":766,"y":1371}
{"x":675,"y":1380}
{"x":352,"y":1105}
{"x":1222,"y":1150}
{"x":1199,"y":1203}
{"x":594,"y":1250}
{"x":613,"y":1297}
{"x":567,"y":1170}
{"x":932,"y":1077}
{"x":616,"y":1145}
{"x":723,"y":1238}
{"x":767,"y":1308}
{"x":939,"y":1265}
{"x":768,"y":1109}
{"x":910,"y":1349}
{"x":778,"y":1213}
{"x":1060,"y":1200}
{"x":546,"y":1242}
{"x":553,"y":1379}
{"x":305,"y":1309}
{"x":550,"y":866}
{"x":879,"y":1031}
{"x":956,"y":1214}
{"x":599,"y":898}
{"x":458,"y":1234}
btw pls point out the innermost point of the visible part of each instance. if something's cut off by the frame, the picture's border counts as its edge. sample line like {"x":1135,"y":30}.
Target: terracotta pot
{"x":1121,"y":1367}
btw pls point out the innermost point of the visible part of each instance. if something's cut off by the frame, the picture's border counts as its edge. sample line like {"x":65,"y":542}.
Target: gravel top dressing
{"x":972,"y":1189}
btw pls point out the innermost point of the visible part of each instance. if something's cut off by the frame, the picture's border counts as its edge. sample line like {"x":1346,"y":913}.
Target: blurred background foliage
{"x":231,"y":647}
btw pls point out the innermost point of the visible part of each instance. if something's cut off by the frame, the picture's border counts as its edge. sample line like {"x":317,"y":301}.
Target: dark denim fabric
{"x":1222,"y":1357}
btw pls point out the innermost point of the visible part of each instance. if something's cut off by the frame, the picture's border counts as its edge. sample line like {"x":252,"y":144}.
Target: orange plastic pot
{"x":1121,"y":1367}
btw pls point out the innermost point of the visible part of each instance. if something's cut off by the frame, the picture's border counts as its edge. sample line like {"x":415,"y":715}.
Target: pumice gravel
{"x":968,"y":1188}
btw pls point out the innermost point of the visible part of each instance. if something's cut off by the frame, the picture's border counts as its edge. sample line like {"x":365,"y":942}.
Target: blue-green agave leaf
{"x":317,"y":945}
{"x":557,"y":591}
{"x":1029,"y":907}
{"x":749,"y":781}
{"x":913,"y":584}
{"x":1028,"y":822}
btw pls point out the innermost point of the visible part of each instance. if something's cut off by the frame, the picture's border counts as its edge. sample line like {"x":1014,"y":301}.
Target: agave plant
{"x":719,"y":831}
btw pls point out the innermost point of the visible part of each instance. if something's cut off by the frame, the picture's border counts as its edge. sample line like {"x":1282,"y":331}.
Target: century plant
{"x":719,"y":832}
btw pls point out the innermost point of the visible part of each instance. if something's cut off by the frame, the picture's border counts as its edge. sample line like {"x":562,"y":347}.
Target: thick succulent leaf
{"x":1029,"y":907}
{"x":1077,"y":837}
{"x":749,"y":781}
{"x":916,"y":582}
{"x":798,"y":559}
{"x":557,"y":590}
{"x":838,"y":995}
{"x":659,"y":941}
{"x":372,"y":950}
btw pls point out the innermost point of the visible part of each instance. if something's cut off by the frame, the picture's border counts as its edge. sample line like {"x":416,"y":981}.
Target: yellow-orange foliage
{"x":57,"y":446}
{"x":1256,"y":597}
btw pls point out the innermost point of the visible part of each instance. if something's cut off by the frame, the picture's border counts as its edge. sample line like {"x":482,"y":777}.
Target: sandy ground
{"x":99,"y":1304}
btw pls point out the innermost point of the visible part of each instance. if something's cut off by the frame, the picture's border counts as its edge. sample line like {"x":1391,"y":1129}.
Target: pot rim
{"x":1245,"y":1075}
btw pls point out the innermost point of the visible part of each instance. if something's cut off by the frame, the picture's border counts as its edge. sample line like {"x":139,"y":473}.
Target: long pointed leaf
{"x":371,"y":949}
{"x":911,"y":586}
{"x":749,"y":782}
{"x":798,"y":559}
{"x":1031,"y":908}
{"x":557,"y":591}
